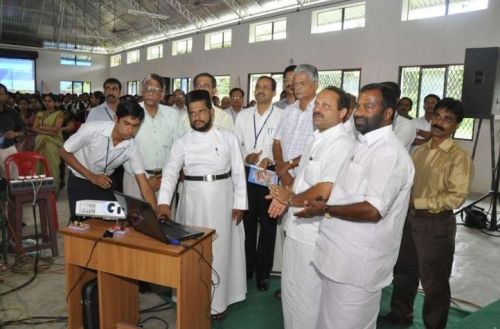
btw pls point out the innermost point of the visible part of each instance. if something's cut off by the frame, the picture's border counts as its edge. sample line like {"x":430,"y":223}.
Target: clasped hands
{"x":281,"y":197}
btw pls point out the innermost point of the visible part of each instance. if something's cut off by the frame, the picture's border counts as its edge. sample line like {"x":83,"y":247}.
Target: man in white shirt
{"x":288,"y":75}
{"x":255,"y":128}
{"x":423,"y":123}
{"x":180,"y":100}
{"x":214,"y":195}
{"x":106,"y":111}
{"x":317,"y":174}
{"x":236,"y":96}
{"x":206,"y":81}
{"x":155,"y":136}
{"x":96,"y":149}
{"x":359,"y":238}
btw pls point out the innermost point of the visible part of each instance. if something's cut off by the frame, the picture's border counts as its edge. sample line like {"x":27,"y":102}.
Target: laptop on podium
{"x":142,"y":217}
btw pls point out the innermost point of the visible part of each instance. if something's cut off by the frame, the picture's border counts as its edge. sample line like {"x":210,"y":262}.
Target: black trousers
{"x":259,"y":254}
{"x":426,"y":254}
{"x":82,"y":189}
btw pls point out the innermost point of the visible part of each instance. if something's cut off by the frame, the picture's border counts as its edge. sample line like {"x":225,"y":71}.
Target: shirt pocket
{"x":312,"y":172}
{"x":351,"y":179}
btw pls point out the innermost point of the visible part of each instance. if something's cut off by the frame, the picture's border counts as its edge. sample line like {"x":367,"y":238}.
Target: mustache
{"x":437,"y":127}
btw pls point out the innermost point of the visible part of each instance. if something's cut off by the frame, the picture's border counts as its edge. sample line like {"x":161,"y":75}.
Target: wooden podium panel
{"x":119,"y":262}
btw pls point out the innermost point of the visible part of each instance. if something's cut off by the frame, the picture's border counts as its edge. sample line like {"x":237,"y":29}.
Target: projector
{"x":100,"y":209}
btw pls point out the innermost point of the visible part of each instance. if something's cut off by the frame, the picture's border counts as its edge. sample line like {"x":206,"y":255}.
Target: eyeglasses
{"x":236,"y":97}
{"x":151,"y":89}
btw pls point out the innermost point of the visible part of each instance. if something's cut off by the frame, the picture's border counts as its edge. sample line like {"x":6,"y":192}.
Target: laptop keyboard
{"x":174,"y":230}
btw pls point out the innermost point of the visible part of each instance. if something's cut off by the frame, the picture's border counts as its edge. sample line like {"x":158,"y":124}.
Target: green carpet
{"x":262,"y":310}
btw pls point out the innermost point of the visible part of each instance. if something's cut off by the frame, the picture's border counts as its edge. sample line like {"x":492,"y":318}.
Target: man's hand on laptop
{"x":163,"y":211}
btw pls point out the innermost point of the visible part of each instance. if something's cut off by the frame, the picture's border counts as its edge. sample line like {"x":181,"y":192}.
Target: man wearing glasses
{"x":155,"y":136}
{"x":236,"y":101}
{"x":443,"y":173}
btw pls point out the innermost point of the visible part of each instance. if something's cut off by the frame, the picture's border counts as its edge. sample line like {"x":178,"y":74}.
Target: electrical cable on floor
{"x":141,"y":323}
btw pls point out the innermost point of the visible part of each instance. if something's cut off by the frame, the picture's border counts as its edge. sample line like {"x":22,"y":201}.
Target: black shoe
{"x":277,"y":294}
{"x":394,"y":319}
{"x":263,"y":285}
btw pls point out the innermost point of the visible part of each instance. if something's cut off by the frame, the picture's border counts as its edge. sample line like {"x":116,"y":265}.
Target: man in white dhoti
{"x":359,"y":238}
{"x":330,"y":147}
{"x":214,"y":195}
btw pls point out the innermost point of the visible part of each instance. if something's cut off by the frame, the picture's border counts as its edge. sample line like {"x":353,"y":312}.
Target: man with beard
{"x":97,"y":149}
{"x":106,"y":111}
{"x":359,"y":238}
{"x":317,"y":173}
{"x":214,"y":195}
{"x":155,"y":136}
{"x":288,"y":75}
{"x":443,"y":173}
{"x":255,"y":128}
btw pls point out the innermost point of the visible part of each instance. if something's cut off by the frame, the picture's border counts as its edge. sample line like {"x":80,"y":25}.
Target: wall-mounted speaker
{"x":481,"y":85}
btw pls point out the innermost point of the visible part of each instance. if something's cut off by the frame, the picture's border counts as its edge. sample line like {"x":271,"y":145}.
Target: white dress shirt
{"x":233,"y":113}
{"x":364,"y":253}
{"x":405,"y":130}
{"x":321,"y":161}
{"x":101,"y":112}
{"x":92,"y":146}
{"x":258,"y":137}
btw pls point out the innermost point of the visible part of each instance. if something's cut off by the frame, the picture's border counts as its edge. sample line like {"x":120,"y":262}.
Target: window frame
{"x":189,"y":46}
{"x":253,"y":26}
{"x":75,"y":59}
{"x":208,"y":36}
{"x":445,"y":85}
{"x":134,"y":84}
{"x":315,"y":29}
{"x":405,"y":13}
{"x":111,"y":64}
{"x":149,"y":55}
{"x":83,"y":84}
{"x":129,"y":59}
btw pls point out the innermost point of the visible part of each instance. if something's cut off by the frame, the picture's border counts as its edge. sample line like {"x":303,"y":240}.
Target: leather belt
{"x":208,"y":178}
{"x":426,"y":213}
{"x":154,"y":172}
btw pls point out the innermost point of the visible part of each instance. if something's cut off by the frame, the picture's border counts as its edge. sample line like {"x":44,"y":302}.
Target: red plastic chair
{"x":31,"y":164}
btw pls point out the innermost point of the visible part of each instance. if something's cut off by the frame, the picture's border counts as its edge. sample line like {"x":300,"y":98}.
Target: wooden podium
{"x":119,"y":262}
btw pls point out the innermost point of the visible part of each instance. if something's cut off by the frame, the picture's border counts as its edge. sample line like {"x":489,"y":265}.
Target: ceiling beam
{"x":1,"y":19}
{"x":159,"y":27}
{"x":235,"y":7}
{"x":186,"y":13}
{"x":60,"y":20}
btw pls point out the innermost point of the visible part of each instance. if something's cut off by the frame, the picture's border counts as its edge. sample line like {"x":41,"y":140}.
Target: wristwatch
{"x":327,"y":213}
{"x":291,"y":163}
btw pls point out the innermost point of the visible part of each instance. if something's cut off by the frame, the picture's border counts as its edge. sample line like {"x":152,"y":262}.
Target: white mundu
{"x":321,"y":161}
{"x":210,"y":204}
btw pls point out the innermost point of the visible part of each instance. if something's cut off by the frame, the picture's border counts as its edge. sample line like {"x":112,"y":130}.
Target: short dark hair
{"x":237,"y":89}
{"x":129,"y":108}
{"x":2,"y":86}
{"x":394,"y":86}
{"x":408,"y":99}
{"x":452,"y":105}
{"x":432,"y":95}
{"x":208,"y":75}
{"x":289,"y":68}
{"x":389,"y":95}
{"x":273,"y":82}
{"x":198,"y":95}
{"x":155,"y":77}
{"x":54,"y":97}
{"x":178,"y":89}
{"x":100,"y":96}
{"x":344,"y":98}
{"x":113,"y":81}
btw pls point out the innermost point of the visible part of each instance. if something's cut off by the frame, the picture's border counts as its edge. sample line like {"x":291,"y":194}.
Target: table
{"x":118,"y":263}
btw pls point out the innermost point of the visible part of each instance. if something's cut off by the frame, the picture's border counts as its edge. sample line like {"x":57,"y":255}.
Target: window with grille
{"x":76,"y":59}
{"x":182,"y":83}
{"x":223,"y":85}
{"x":133,"y":87}
{"x":182,"y":47}
{"x":219,"y":39}
{"x":418,"y":9}
{"x":115,"y":60}
{"x":338,"y":18}
{"x":74,"y":87}
{"x":269,"y":30}
{"x":133,"y":56}
{"x":253,"y":77}
{"x":348,"y":80}
{"x":444,"y":80}
{"x":155,"y":52}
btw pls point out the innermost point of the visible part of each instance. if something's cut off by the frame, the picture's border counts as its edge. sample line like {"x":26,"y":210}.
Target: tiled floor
{"x":475,"y":279}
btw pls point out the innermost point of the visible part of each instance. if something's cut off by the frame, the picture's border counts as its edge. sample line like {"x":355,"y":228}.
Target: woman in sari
{"x":48,"y":123}
{"x":26,"y":143}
